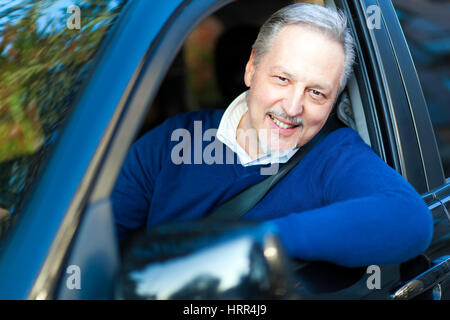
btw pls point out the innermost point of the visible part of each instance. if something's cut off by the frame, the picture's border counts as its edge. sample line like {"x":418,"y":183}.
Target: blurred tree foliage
{"x":42,"y":64}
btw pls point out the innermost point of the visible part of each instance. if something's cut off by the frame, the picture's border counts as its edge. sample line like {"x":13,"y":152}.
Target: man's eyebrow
{"x":284,"y":72}
{"x":321,"y":87}
{"x":287,"y":74}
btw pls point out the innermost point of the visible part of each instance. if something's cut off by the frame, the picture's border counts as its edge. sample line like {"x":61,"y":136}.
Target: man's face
{"x":293,"y":88}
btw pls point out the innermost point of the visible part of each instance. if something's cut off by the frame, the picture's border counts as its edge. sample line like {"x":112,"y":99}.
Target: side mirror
{"x":206,"y":260}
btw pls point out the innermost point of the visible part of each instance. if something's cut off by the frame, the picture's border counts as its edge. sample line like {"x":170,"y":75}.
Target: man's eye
{"x":282,"y":79}
{"x":316,"y":94}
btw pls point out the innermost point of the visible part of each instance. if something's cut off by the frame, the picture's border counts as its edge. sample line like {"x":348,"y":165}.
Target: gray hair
{"x":327,"y":21}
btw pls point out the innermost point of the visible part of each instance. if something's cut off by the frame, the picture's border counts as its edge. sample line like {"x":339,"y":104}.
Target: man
{"x":340,"y":204}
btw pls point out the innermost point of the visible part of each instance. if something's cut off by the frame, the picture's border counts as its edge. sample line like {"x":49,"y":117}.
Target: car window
{"x":426,"y":27}
{"x":46,"y":50}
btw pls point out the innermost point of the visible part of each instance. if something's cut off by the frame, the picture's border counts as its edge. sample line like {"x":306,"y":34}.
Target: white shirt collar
{"x":226,"y":133}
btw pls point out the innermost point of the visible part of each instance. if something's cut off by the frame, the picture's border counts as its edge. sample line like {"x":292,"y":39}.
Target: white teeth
{"x":281,"y":124}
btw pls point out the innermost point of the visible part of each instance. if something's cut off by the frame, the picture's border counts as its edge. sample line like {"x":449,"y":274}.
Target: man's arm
{"x":372,"y":215}
{"x":131,"y":195}
{"x":133,"y":190}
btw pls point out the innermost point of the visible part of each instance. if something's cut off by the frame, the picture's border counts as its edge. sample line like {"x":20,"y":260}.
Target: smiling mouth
{"x":282,"y":124}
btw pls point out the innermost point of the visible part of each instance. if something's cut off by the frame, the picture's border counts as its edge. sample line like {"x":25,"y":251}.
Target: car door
{"x":71,"y":196}
{"x":399,"y":132}
{"x":36,"y":245}
{"x":409,"y":144}
{"x":77,"y":178}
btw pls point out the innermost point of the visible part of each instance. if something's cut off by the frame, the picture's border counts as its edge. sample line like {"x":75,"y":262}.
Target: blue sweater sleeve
{"x":371,"y":215}
{"x":133,"y":190}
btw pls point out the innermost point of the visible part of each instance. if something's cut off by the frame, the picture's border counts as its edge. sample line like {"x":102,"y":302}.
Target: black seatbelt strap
{"x":239,"y":205}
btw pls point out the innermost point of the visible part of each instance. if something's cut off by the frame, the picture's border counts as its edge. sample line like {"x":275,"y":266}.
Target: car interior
{"x":208,"y":73}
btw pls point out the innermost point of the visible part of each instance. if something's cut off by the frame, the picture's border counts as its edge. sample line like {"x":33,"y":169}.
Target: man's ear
{"x":249,"y":70}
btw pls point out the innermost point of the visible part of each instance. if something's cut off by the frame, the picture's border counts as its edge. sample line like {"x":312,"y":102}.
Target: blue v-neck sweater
{"x":340,"y":204}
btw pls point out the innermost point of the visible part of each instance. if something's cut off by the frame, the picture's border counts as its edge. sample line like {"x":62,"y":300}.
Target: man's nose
{"x":294,"y":101}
